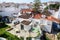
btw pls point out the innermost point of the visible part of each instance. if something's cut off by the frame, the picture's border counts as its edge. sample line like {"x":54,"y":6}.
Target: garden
{"x":5,"y":34}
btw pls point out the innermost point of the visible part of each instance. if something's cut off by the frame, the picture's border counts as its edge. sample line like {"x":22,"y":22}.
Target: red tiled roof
{"x":26,"y":10}
{"x":53,"y":19}
{"x":37,"y":16}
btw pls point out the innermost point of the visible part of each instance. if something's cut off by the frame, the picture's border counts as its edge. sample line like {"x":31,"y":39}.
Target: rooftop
{"x":47,"y":13}
{"x":25,"y":22}
{"x":37,"y":16}
{"x":25,"y":16}
{"x":51,"y":18}
{"x":26,"y":10}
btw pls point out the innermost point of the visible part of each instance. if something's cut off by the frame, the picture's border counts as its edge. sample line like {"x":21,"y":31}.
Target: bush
{"x":28,"y":38}
{"x":3,"y":27}
{"x":47,"y":38}
{"x":58,"y":36}
{"x":2,"y":31}
{"x":5,"y":34}
{"x":21,"y":38}
{"x":9,"y":36}
{"x":53,"y":6}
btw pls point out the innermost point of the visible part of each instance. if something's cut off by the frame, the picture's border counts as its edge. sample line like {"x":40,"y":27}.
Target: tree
{"x":53,"y":6}
{"x":0,"y":18}
{"x":36,"y":6}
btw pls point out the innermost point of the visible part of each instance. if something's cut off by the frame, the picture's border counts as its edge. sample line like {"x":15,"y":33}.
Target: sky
{"x":24,"y":1}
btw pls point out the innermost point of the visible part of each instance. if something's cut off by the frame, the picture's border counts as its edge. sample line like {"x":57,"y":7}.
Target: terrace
{"x":34,"y":32}
{"x":5,"y":34}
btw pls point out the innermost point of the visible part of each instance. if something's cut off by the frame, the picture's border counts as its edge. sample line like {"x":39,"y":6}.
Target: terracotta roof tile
{"x":26,"y":10}
{"x":53,"y":19}
{"x":25,"y":16}
{"x":37,"y":16}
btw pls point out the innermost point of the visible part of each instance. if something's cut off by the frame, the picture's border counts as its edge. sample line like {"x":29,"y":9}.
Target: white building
{"x":57,"y":14}
{"x":26,"y":25}
{"x":46,"y":25}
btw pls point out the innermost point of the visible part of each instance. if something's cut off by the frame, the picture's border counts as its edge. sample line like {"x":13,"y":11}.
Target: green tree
{"x":53,"y":6}
{"x":58,"y":36}
{"x":36,"y":6}
{"x":0,"y":18}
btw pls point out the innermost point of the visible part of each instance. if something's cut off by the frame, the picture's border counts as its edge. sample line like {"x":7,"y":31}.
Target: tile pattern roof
{"x":25,"y":16}
{"x":37,"y":16}
{"x":26,"y":10}
{"x":25,"y":22}
{"x":51,"y":18}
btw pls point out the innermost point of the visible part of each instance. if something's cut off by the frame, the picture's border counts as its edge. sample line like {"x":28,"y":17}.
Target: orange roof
{"x":37,"y":16}
{"x":53,"y":19}
{"x":26,"y":10}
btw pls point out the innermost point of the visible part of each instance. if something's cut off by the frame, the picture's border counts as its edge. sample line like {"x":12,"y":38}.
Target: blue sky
{"x":25,"y":1}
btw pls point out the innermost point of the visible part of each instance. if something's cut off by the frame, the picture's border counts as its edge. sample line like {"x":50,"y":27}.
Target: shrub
{"x":9,"y":36}
{"x":58,"y":36}
{"x":28,"y":38}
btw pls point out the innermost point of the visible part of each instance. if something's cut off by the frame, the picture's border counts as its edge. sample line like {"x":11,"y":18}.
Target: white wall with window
{"x":47,"y":25}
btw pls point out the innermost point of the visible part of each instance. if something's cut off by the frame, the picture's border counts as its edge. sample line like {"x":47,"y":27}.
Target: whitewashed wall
{"x":57,"y":14}
{"x":27,"y":27}
{"x":47,"y":25}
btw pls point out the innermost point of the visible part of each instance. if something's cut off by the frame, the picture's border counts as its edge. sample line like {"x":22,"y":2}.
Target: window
{"x":35,"y":25}
{"x":7,"y":6}
{"x":22,"y":27}
{"x":36,"y":22}
{"x":15,"y":13}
